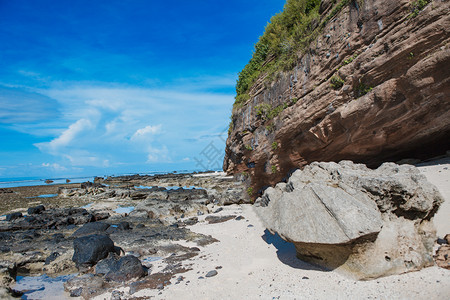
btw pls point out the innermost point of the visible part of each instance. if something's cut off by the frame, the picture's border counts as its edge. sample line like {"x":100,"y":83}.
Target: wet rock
{"x":124,"y":226}
{"x":88,"y":250}
{"x":36,"y":210}
{"x":120,"y":269}
{"x":51,"y":258}
{"x":13,"y":216}
{"x":30,"y":219}
{"x":86,"y":286}
{"x":91,"y":228}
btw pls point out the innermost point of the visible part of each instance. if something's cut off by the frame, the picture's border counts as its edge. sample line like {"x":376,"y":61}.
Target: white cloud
{"x":146,"y":131}
{"x":109,"y":126}
{"x":66,"y":137}
{"x":23,"y":106}
{"x":158,"y":155}
{"x":54,"y":167}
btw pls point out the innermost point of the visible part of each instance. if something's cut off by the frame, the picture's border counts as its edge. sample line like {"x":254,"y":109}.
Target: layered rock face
{"x":373,"y":86}
{"x":364,"y":223}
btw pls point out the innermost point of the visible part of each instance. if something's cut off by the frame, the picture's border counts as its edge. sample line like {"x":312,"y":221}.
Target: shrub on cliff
{"x":283,"y":36}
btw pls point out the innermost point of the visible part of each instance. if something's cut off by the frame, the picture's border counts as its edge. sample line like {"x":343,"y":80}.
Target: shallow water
{"x":16,"y":182}
{"x":42,"y":287}
{"x":87,"y":205}
{"x":47,"y":196}
{"x":124,"y":210}
{"x":172,"y":187}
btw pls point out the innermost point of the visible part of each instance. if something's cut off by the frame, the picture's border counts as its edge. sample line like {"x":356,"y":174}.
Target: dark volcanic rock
{"x":36,"y":210}
{"x":56,"y":218}
{"x":120,"y":269}
{"x":51,"y":257}
{"x":124,"y":226}
{"x":88,"y":250}
{"x":91,"y":228}
{"x":14,"y":216}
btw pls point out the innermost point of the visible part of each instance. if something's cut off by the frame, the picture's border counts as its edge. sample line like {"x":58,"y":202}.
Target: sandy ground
{"x":253,"y":264}
{"x":438,"y":173}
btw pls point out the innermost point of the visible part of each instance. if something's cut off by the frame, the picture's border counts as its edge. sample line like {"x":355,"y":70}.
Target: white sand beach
{"x":253,"y":264}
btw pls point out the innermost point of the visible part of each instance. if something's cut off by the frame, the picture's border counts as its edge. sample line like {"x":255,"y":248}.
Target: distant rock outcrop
{"x":365,"y":223}
{"x":371,"y":86}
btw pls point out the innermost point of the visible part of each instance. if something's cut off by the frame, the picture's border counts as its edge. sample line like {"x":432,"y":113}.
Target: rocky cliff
{"x":372,"y":85}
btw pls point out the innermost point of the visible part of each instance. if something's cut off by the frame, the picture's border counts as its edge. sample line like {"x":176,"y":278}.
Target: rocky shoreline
{"x":126,"y":223}
{"x":171,"y":236}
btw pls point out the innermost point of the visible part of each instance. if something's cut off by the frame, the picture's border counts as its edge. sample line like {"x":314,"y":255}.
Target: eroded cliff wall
{"x":372,"y":87}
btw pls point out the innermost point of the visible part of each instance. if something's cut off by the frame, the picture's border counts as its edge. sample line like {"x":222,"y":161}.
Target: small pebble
{"x":211,"y":273}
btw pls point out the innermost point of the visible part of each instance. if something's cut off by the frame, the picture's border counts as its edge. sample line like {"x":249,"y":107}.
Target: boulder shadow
{"x":287,"y":254}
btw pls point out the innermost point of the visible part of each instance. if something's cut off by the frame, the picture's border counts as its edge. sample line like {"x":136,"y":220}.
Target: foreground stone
{"x":364,"y":223}
{"x":120,"y":269}
{"x":91,"y":249}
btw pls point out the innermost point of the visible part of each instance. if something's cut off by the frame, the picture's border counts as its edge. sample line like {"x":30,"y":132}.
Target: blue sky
{"x":113,"y":87}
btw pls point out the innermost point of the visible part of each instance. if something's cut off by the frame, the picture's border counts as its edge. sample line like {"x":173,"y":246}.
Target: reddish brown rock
{"x":394,"y":101}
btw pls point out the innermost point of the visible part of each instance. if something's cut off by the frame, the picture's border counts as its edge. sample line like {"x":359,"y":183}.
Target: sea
{"x":33,"y":181}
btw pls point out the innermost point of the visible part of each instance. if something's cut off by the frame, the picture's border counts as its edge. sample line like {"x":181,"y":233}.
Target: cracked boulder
{"x":364,"y":223}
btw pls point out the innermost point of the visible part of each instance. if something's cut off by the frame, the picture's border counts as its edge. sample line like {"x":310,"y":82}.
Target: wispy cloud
{"x":146,"y":132}
{"x":109,"y":126}
{"x":21,"y":106}
{"x":54,"y":167}
{"x":66,"y":137}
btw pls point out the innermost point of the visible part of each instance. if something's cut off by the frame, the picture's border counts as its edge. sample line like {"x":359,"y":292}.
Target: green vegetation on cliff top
{"x":288,"y":32}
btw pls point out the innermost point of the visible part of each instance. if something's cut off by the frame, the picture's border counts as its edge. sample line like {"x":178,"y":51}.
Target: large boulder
{"x":90,"y":249}
{"x":365,"y":223}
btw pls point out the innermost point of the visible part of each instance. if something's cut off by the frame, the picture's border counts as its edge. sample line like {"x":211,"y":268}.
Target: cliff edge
{"x":369,"y":83}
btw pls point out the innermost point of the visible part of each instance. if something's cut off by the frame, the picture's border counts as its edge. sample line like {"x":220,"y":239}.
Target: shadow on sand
{"x":286,"y":252}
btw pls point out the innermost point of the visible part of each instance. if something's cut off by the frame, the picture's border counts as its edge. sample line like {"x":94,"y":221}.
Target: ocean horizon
{"x":34,"y":181}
